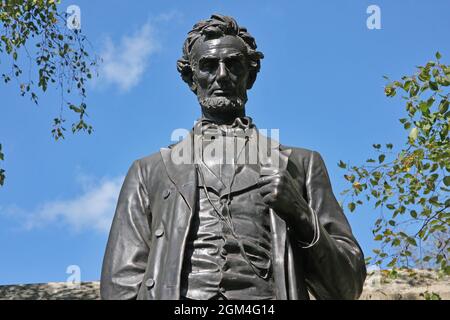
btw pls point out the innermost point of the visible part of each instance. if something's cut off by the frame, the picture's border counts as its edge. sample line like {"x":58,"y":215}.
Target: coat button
{"x":166,"y":193}
{"x":150,"y":283}
{"x":159,"y":232}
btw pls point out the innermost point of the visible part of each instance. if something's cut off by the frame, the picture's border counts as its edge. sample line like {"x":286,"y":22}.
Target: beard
{"x":222,"y":105}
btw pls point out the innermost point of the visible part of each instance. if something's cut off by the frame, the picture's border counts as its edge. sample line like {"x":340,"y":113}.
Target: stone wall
{"x":412,"y":285}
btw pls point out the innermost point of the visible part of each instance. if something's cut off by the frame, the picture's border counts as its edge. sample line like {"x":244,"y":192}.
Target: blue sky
{"x":320,"y":83}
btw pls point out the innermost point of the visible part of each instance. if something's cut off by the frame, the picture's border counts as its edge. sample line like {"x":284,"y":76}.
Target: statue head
{"x":220,"y":64}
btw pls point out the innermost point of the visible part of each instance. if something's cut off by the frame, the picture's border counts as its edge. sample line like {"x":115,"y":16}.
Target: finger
{"x":266,"y":189}
{"x":266,"y":179}
{"x":269,"y":199}
{"x":268,"y":171}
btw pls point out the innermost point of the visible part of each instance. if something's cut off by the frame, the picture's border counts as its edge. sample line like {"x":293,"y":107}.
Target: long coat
{"x":145,"y":249}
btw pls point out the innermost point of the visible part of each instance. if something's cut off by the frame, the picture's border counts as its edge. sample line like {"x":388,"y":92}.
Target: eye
{"x":235,"y":65}
{"x":208,"y":64}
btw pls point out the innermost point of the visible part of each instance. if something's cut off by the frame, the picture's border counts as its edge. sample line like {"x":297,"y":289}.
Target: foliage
{"x":431,"y":296}
{"x":410,"y":186}
{"x":56,"y":55}
{"x":2,"y":172}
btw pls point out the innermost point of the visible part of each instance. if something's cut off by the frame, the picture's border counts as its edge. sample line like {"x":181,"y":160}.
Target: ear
{"x":192,"y":83}
{"x":185,"y":69}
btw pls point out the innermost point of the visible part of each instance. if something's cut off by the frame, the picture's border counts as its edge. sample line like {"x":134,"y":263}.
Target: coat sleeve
{"x":334,"y":267}
{"x":128,"y":245}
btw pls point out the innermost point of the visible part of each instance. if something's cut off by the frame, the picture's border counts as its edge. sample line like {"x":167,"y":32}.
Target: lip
{"x":221,"y":92}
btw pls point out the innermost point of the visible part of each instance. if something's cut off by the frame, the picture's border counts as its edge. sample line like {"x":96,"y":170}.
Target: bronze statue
{"x":193,"y":223}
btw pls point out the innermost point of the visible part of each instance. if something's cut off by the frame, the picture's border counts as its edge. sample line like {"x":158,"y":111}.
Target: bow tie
{"x":205,"y":126}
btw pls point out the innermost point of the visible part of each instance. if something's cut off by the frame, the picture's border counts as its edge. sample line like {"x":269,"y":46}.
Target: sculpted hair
{"x":215,"y":27}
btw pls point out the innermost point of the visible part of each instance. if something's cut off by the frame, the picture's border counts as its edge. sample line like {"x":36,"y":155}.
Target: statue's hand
{"x":282,"y":194}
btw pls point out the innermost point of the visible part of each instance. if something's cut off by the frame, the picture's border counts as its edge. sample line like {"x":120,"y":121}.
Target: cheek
{"x":241,"y":82}
{"x":244,"y":79}
{"x":203,"y":79}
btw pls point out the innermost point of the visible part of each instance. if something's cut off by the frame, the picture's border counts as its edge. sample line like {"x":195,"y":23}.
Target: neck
{"x":222,"y":118}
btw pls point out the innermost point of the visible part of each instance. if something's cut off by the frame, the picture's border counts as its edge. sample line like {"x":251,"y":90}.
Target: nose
{"x":222,"y":72}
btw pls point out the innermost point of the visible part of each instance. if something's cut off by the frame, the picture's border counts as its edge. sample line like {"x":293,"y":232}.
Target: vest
{"x":228,"y":253}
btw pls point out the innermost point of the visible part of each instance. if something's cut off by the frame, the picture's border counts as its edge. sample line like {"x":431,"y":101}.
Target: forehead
{"x":220,"y":47}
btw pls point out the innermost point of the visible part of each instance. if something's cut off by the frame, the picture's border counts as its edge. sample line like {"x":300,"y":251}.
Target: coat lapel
{"x":278,"y":160}
{"x":181,"y":170}
{"x":264,"y":150}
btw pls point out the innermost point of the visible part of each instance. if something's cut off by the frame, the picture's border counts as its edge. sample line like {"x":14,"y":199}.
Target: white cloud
{"x":124,"y":63}
{"x":168,"y":16}
{"x":93,"y":209}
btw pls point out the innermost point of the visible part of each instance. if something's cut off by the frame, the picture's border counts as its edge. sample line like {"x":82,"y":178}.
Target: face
{"x":221,"y":73}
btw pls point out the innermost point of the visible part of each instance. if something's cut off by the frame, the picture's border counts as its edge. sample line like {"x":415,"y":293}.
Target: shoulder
{"x":302,"y":155}
{"x":149,"y":160}
{"x":299,"y":152}
{"x":306,"y":160}
{"x":143,"y":166}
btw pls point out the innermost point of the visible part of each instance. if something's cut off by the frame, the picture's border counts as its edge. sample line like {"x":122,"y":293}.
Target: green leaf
{"x":351,"y":206}
{"x":390,"y":206}
{"x":443,"y":106}
{"x":438,"y":55}
{"x":350,"y":178}
{"x":430,"y":102}
{"x":378,"y":237}
{"x":389,"y":91}
{"x":411,"y":241}
{"x":446,"y":179}
{"x":413,"y":134}
{"x":434,"y":201}
{"x":423,"y":106}
{"x":342,"y":164}
{"x":2,"y":177}
{"x":434,"y":86}
{"x":75,"y":108}
{"x":392,"y":263}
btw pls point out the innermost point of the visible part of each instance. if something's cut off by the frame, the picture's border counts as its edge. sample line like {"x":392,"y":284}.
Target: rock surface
{"x":406,"y":285}
{"x":411,"y":285}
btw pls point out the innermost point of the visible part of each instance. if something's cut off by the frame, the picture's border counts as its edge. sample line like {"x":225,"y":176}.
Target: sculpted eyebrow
{"x":208,"y":58}
{"x":236,"y":55}
{"x":230,"y":56}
